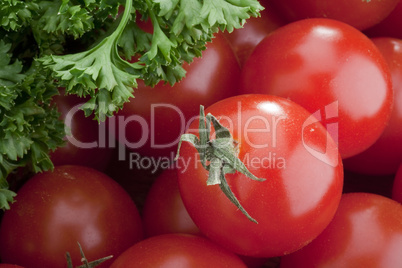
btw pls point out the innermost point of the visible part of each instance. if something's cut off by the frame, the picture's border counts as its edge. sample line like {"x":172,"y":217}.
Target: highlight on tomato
{"x":264,"y":177}
{"x":56,"y":210}
{"x":318,"y":62}
{"x":365,"y":232}
{"x":177,"y":250}
{"x":385,"y":155}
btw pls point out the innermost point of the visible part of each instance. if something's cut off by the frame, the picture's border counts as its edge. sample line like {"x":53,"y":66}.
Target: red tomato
{"x":385,"y":155}
{"x":3,"y":265}
{"x":243,"y":40}
{"x":55,"y":210}
{"x":391,"y":26}
{"x":153,"y":121}
{"x":365,"y":232}
{"x":88,"y":143}
{"x":397,"y":186}
{"x":360,"y":14}
{"x":278,"y":140}
{"x":332,"y":70}
{"x":164,"y":211}
{"x":177,"y":250}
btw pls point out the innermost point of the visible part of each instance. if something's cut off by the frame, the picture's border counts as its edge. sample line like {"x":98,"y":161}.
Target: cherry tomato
{"x":332,"y":70}
{"x":87,"y":141}
{"x":277,"y":140}
{"x":243,"y":40}
{"x":177,"y":250}
{"x":152,"y":122}
{"x":365,"y":232}
{"x":397,"y":186}
{"x":359,"y":14}
{"x":56,"y":210}
{"x":164,"y":211}
{"x":385,"y":155}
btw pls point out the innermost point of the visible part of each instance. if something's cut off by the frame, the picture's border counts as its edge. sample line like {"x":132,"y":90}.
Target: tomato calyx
{"x":84,"y":260}
{"x":218,"y":156}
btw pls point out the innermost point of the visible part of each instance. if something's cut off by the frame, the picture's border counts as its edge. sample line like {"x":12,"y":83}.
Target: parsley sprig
{"x":94,"y":49}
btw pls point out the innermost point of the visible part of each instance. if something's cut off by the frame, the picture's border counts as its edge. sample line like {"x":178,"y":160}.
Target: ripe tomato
{"x":4,"y":265}
{"x":55,"y":210}
{"x":152,"y":122}
{"x":164,"y":211}
{"x":332,"y":70}
{"x":397,"y":186}
{"x":358,"y":13}
{"x":385,"y":155}
{"x":278,"y":140}
{"x":87,"y":144}
{"x":243,"y":40}
{"x":365,"y":232}
{"x":177,"y":250}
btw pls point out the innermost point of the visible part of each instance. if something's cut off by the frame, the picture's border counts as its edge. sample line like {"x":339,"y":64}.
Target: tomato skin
{"x":163,"y":111}
{"x":357,"y":13}
{"x":164,"y":211}
{"x":365,"y":232}
{"x":87,"y":144}
{"x":243,"y":40}
{"x":4,"y":265}
{"x":55,"y":210}
{"x":321,"y":62}
{"x":284,"y":204}
{"x":385,"y":155}
{"x":177,"y":250}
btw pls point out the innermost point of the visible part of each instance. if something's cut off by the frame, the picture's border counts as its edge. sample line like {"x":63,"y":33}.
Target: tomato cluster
{"x":296,"y":160}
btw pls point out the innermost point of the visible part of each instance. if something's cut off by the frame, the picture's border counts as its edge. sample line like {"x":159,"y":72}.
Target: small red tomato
{"x":332,"y":70}
{"x":177,"y":250}
{"x":385,"y":155}
{"x":280,"y":141}
{"x":365,"y":232}
{"x":54,"y":211}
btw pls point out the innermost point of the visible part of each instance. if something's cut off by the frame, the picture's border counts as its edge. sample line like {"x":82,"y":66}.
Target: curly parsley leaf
{"x":181,"y":29}
{"x":29,"y":125}
{"x":15,"y":14}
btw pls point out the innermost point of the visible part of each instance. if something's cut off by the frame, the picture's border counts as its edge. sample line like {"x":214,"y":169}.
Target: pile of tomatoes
{"x":311,"y":96}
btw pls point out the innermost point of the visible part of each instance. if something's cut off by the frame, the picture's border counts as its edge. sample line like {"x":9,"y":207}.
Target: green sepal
{"x":218,"y":156}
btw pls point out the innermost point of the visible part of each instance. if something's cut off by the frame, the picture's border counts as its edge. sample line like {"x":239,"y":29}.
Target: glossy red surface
{"x":277,"y":140}
{"x":365,"y":232}
{"x":177,"y":250}
{"x":332,"y":70}
{"x":385,"y":155}
{"x":56,"y":210}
